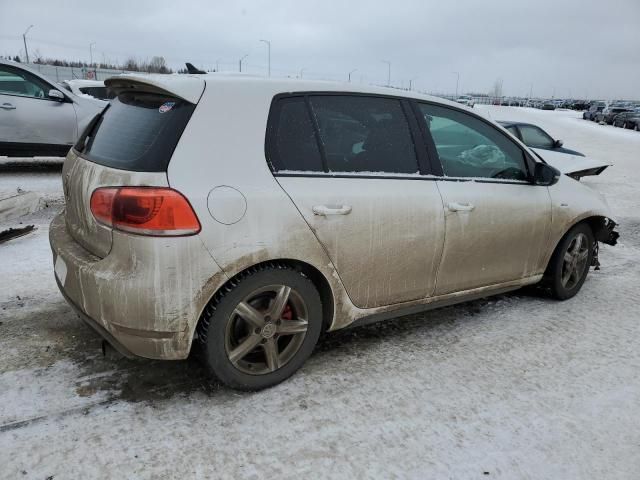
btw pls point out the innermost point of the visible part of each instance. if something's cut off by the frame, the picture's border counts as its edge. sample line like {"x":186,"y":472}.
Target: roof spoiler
{"x":192,"y":69}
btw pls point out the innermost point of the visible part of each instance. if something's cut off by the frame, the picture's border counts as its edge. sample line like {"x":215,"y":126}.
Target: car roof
{"x":190,"y":86}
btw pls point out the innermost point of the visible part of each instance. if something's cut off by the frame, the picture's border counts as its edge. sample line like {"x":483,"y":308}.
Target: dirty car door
{"x":497,"y":222}
{"x":349,"y":164}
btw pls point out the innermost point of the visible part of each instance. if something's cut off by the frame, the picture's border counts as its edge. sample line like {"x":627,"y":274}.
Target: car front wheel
{"x":261,"y":328}
{"x":570,"y":262}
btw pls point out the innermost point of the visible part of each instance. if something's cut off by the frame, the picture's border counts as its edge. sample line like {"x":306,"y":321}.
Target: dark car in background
{"x":535,"y":137}
{"x":607,"y":115}
{"x":629,"y":119}
{"x":593,"y":110}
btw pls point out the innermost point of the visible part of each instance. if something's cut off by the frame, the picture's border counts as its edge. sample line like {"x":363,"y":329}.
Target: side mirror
{"x":56,"y":95}
{"x":545,"y":175}
{"x":557,"y":144}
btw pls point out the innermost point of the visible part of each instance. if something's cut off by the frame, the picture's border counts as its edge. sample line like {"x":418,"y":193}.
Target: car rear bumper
{"x":144,"y":301}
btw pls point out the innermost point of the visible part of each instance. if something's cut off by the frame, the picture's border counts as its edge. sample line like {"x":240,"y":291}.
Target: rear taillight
{"x":144,"y":210}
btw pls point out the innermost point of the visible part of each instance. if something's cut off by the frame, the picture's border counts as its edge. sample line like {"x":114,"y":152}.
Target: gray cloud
{"x":567,"y":48}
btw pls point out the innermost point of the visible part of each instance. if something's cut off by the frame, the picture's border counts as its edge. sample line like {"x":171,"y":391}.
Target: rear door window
{"x":364,"y":134}
{"x":293,"y":145}
{"x":138,"y":131}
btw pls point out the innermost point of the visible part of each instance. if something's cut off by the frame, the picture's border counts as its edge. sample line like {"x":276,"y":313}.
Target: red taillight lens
{"x":144,"y":210}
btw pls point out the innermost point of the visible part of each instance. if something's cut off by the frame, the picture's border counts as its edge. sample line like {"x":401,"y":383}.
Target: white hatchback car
{"x":247,"y":215}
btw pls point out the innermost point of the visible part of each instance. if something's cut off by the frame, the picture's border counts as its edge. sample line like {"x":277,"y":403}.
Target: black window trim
{"x":420,"y":150}
{"x":430,"y":167}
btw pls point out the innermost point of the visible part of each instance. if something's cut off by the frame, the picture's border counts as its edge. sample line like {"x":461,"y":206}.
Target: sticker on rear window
{"x":166,"y":106}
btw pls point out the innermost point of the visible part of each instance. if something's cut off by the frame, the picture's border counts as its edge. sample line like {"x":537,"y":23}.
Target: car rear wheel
{"x":570,"y":262}
{"x":261,"y":328}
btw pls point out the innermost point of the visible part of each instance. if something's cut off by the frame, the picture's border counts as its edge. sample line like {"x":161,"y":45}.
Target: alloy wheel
{"x":266,"y":329}
{"x":575,"y":261}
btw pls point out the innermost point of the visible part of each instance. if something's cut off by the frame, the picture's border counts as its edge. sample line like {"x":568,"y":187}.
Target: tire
{"x":570,"y":262}
{"x":624,"y":125}
{"x":264,"y":354}
{"x":636,"y":128}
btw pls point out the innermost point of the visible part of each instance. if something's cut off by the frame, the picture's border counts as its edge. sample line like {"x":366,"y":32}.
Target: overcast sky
{"x":566,"y":48}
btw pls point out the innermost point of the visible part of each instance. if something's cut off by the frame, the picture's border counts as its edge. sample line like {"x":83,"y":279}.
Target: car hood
{"x":572,"y":165}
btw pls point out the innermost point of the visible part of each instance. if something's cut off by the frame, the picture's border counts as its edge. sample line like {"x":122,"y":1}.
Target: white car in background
{"x":466,"y":100}
{"x":93,"y":88}
{"x":38,"y":117}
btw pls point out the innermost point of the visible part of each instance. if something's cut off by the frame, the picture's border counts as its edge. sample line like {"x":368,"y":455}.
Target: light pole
{"x":301,"y":72}
{"x":24,"y":39}
{"x":268,"y":56}
{"x":388,"y":72}
{"x":411,"y":82}
{"x":218,"y":65}
{"x":352,"y":71}
{"x":457,"y":82}
{"x":240,"y":63}
{"x":91,"y":53}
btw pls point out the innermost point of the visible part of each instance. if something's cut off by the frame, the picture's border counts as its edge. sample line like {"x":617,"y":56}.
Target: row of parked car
{"x":618,"y":115}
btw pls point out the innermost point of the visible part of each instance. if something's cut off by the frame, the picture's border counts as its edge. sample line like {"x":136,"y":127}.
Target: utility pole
{"x":24,"y":39}
{"x":388,"y":72}
{"x":91,"y":53}
{"x":302,"y":71}
{"x":240,"y":63}
{"x":411,"y":82}
{"x":530,"y":91}
{"x":268,"y":56}
{"x":457,"y":82}
{"x":352,"y":71}
{"x":218,"y":65}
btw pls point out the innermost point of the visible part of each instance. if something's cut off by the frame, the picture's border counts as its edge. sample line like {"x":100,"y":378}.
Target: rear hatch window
{"x":138,"y":131}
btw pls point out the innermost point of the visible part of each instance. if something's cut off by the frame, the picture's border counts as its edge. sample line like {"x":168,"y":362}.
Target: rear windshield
{"x":137,"y":131}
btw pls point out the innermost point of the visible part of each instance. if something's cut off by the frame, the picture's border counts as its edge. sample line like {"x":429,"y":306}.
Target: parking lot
{"x":514,"y":386}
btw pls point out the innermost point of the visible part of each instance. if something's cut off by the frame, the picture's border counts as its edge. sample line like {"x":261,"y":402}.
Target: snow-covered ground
{"x":517,"y":386}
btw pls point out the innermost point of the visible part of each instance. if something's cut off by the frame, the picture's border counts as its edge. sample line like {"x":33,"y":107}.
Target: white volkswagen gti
{"x":244,"y":216}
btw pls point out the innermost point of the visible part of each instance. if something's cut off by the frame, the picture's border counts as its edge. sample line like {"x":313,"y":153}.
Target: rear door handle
{"x":460,"y":207}
{"x":7,"y":106}
{"x":325,"y":210}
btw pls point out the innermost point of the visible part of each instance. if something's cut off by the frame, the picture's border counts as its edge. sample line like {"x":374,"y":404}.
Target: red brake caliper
{"x":287,"y":313}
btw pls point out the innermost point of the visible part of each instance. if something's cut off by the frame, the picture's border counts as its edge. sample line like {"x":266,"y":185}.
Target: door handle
{"x":460,"y":207}
{"x":7,"y":106}
{"x":325,"y":210}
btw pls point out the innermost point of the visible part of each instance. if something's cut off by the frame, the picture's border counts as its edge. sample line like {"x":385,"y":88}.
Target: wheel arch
{"x":308,"y":270}
{"x":601,"y":227}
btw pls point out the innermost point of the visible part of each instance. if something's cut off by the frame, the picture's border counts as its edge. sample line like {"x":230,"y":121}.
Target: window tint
{"x":138,"y":131}
{"x":293,"y":145}
{"x":468,"y":147}
{"x":364,"y":134}
{"x":14,"y":81}
{"x":535,"y":137}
